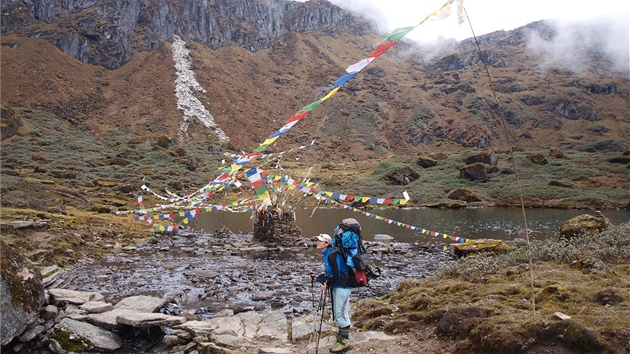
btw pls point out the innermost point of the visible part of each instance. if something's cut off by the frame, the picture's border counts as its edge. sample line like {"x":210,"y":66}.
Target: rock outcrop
{"x":22,"y":294}
{"x":106,"y":33}
{"x":68,"y":328}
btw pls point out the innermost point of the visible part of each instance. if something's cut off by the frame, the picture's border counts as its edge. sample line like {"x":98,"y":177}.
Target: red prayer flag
{"x":381,"y":49}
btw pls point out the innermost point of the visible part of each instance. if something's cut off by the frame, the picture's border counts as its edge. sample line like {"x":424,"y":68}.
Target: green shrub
{"x":20,"y":199}
{"x":612,"y":244}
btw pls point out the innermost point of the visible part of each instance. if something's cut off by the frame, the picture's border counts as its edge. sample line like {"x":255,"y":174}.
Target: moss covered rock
{"x":583,"y":224}
{"x":464,"y":194}
{"x":481,"y":246}
{"x":21,"y":293}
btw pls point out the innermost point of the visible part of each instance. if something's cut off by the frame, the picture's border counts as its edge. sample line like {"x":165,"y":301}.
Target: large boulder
{"x":537,"y":158}
{"x":453,"y":204}
{"x":403,"y":176}
{"x":474,"y":172}
{"x":426,"y":162}
{"x":583,"y":224}
{"x":21,"y":293}
{"x":557,"y":153}
{"x":77,"y":336}
{"x":489,"y":158}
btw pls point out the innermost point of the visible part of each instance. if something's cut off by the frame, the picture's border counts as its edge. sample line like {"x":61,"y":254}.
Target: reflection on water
{"x":497,"y":223}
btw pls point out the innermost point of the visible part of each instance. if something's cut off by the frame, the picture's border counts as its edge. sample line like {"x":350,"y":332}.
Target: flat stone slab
{"x":201,"y":273}
{"x":274,"y":326}
{"x":232,"y":326}
{"x":145,"y":320}
{"x":26,"y":224}
{"x":199,"y":328}
{"x":53,"y":277}
{"x":92,"y":337}
{"x":140,"y":303}
{"x":230,"y":341}
{"x":73,"y":297}
{"x":96,"y":307}
{"x":108,"y":319}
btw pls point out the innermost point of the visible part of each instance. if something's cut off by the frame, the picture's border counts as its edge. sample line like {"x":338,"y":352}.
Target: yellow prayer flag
{"x":270,"y":141}
{"x":330,"y":94}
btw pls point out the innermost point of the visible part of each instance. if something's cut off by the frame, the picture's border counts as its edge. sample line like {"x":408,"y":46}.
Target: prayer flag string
{"x":227,"y":175}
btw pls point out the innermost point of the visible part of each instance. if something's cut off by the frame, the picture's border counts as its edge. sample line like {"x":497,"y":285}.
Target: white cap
{"x":324,"y":237}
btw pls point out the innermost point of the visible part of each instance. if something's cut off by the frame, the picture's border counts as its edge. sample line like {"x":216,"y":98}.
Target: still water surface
{"x":497,"y":223}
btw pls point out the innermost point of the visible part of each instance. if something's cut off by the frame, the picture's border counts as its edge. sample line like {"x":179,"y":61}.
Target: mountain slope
{"x":410,"y":100}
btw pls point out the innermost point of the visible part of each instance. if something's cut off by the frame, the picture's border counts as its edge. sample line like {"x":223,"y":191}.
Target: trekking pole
{"x":332,"y":303}
{"x":312,"y":293}
{"x":319,"y":333}
{"x":321,"y":295}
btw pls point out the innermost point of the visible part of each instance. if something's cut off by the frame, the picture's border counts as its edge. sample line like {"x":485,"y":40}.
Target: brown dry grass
{"x":73,"y":235}
{"x":492,"y":309}
{"x":251,"y":95}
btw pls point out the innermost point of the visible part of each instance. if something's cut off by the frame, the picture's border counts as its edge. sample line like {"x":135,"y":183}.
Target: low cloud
{"x":577,"y":43}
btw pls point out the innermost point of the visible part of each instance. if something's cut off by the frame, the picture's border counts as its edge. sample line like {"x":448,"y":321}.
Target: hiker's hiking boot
{"x":341,"y":345}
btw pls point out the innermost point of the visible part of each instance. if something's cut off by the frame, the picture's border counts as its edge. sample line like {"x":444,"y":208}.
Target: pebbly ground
{"x":202,"y":274}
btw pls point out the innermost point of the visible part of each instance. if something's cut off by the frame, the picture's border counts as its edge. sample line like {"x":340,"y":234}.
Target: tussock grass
{"x":487,"y":300}
{"x":612,"y":245}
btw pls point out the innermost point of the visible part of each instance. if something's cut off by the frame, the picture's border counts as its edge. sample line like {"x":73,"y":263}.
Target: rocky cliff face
{"x":106,"y":33}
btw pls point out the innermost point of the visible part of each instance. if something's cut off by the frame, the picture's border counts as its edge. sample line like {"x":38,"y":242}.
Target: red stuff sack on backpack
{"x":359,"y":279}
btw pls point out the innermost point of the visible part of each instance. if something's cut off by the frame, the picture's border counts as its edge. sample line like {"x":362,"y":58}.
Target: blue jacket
{"x":336,"y":269}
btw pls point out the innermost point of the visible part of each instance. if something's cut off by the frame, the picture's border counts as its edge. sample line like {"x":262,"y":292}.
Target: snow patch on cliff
{"x":185,"y":87}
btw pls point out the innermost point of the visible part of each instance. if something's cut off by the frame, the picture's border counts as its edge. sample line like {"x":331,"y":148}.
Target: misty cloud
{"x":578,"y":43}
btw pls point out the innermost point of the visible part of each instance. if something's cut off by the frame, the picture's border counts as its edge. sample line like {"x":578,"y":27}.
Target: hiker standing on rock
{"x":338,"y":281}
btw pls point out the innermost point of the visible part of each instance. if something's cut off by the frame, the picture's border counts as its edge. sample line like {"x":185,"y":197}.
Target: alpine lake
{"x":202,"y":272}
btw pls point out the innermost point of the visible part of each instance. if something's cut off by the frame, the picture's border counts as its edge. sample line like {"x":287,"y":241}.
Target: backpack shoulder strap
{"x":339,"y":248}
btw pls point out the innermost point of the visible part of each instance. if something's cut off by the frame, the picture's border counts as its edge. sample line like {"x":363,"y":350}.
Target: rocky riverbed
{"x":202,"y":274}
{"x":202,"y":293}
